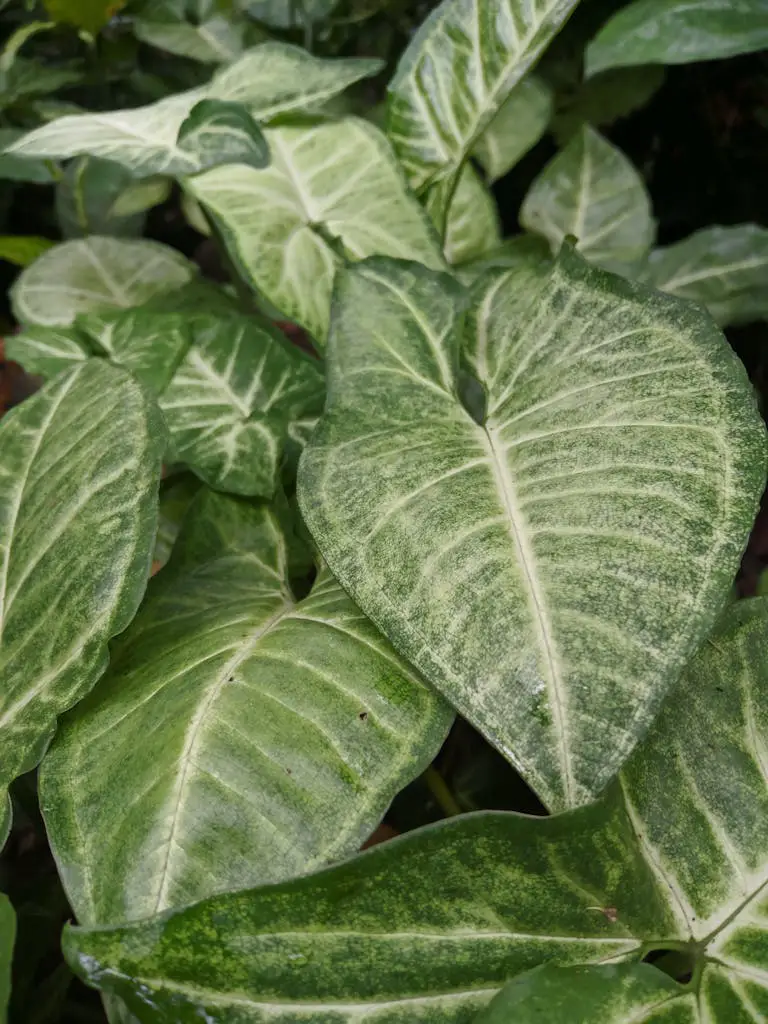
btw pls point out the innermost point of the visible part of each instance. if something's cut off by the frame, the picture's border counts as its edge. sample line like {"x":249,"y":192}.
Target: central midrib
{"x":506,"y":488}
{"x":194,"y":732}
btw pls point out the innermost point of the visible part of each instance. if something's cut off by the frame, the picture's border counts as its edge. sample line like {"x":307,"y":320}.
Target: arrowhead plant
{"x":357,"y":519}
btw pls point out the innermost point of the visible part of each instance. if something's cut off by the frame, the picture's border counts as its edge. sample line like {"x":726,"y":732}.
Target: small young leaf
{"x":222,"y":132}
{"x":614,"y":994}
{"x":95,"y":273}
{"x":535,"y":568}
{"x":239,"y":737}
{"x":517,"y":127}
{"x":329,"y":187}
{"x":678,"y":32}
{"x":142,"y":195}
{"x":23,"y":249}
{"x":724,"y":269}
{"x":591,"y":191}
{"x":80,"y":464}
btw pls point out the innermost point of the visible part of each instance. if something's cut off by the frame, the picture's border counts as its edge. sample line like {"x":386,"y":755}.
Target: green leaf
{"x":86,"y":195}
{"x":518,"y":251}
{"x":142,"y":195}
{"x":678,"y":32}
{"x":78,"y":508}
{"x":216,"y":40}
{"x":592,"y":192}
{"x":455,"y":76}
{"x":28,"y":78}
{"x":331,"y":186}
{"x":620,"y":994}
{"x":91,"y":15}
{"x":232,"y":399}
{"x":606,"y":98}
{"x":270,"y":80}
{"x":473,"y":227}
{"x":239,"y":736}
{"x":518,"y":126}
{"x":723,"y":269}
{"x":18,"y":168}
{"x":46,"y":351}
{"x":535,"y":568}
{"x":7,"y":939}
{"x":176,"y":496}
{"x":95,"y":273}
{"x":425,"y":928}
{"x":221,"y":132}
{"x":23,"y":249}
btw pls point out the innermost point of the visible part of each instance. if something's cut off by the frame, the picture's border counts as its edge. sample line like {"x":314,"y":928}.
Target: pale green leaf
{"x":19,"y":168}
{"x":46,"y":351}
{"x":722,"y":268}
{"x":22,"y":250}
{"x":518,"y":251}
{"x":590,"y":190}
{"x":678,"y":32}
{"x":270,"y":79}
{"x":194,"y":215}
{"x":7,"y":939}
{"x":91,"y":15}
{"x":95,"y":273}
{"x":80,"y":466}
{"x":239,"y":737}
{"x":330,"y":188}
{"x":86,"y":195}
{"x":216,"y":40}
{"x":518,"y":126}
{"x":621,"y":994}
{"x":536,"y":568}
{"x":473,"y":227}
{"x":423,"y":929}
{"x":232,"y":399}
{"x":455,"y":76}
{"x":222,"y":132}
{"x":142,"y":195}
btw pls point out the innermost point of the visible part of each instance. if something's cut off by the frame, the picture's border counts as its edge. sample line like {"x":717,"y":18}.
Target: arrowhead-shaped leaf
{"x":678,"y":32}
{"x":223,"y":132}
{"x":331,"y":189}
{"x":379,"y":938}
{"x":609,"y":994}
{"x":724,"y":269}
{"x":518,"y":126}
{"x":93,"y":273}
{"x":537,"y":567}
{"x":239,"y":736}
{"x":80,"y":467}
{"x":591,"y":191}
{"x":270,"y":79}
{"x":214,"y":40}
{"x":455,"y":76}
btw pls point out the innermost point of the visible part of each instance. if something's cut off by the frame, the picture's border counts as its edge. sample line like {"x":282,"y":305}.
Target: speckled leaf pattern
{"x":232,"y":399}
{"x":722,"y":268}
{"x":377,"y":939}
{"x":591,"y":191}
{"x":536,"y":569}
{"x":222,"y":132}
{"x":239,"y":737}
{"x":518,"y":126}
{"x":331,"y":190}
{"x":45,"y":351}
{"x":473,"y":227}
{"x":678,"y":32}
{"x":79,"y":465}
{"x":707,"y":836}
{"x":620,"y":994}
{"x":7,"y":939}
{"x":456,"y":74}
{"x":270,"y":79}
{"x":517,"y":251}
{"x":93,"y":273}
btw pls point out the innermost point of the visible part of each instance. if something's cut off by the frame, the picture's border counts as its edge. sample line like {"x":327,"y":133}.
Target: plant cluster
{"x":274,"y":539}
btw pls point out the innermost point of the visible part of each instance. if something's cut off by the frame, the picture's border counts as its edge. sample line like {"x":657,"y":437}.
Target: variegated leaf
{"x":535,"y":566}
{"x":473,"y":227}
{"x":215,"y":40}
{"x":46,"y":351}
{"x":86,"y":195}
{"x":331,"y":191}
{"x":518,"y":126}
{"x":270,"y":79}
{"x":239,"y":737}
{"x":592,"y":192}
{"x":93,"y":273}
{"x":223,"y":132}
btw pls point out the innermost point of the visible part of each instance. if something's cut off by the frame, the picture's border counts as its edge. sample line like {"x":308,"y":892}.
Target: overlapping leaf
{"x":239,"y":736}
{"x":332,"y":191}
{"x":678,"y":32}
{"x":22,"y":250}
{"x":93,"y":273}
{"x":473,"y":228}
{"x":270,"y":79}
{"x":591,"y":191}
{"x":722,"y":268}
{"x":223,"y":132}
{"x":211,"y":37}
{"x":86,"y":195}
{"x":536,"y":567}
{"x":455,"y":76}
{"x":79,"y":464}
{"x":518,"y":126}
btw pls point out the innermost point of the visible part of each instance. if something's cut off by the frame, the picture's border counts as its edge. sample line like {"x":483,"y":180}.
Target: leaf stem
{"x":440,"y":791}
